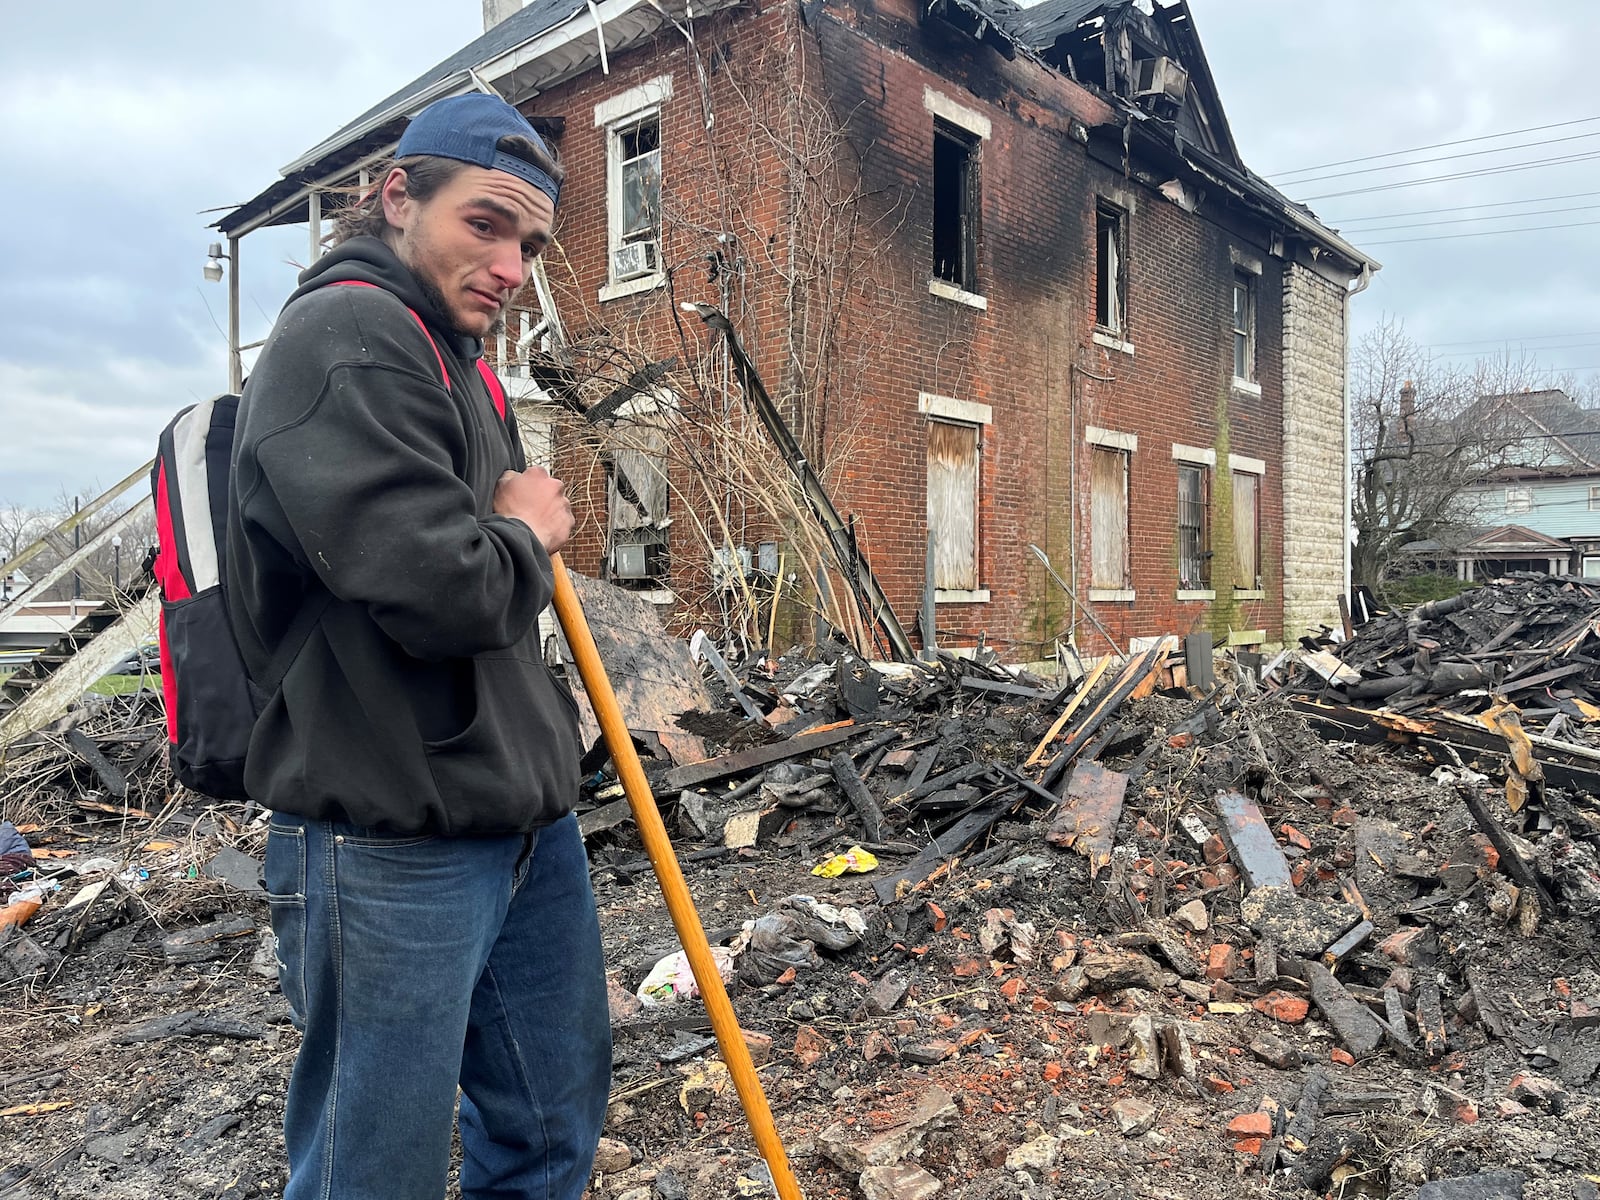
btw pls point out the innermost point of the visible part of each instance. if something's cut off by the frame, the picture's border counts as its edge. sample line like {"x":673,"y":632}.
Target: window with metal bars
{"x":1194,"y":527}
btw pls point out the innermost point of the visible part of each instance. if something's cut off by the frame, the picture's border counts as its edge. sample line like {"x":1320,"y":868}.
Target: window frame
{"x":969,"y":199}
{"x":1519,"y":499}
{"x":1255,"y":584}
{"x":1111,"y":320}
{"x":1594,"y":497}
{"x":959,"y":414}
{"x":1201,"y":553}
{"x":617,"y":117}
{"x":1124,"y":445}
{"x":1244,"y":326}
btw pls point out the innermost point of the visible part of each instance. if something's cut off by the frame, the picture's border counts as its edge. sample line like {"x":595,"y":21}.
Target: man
{"x":387,"y":542}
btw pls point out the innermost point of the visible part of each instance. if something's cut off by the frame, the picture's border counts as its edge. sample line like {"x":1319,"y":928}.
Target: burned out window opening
{"x":956,"y":204}
{"x":1246,"y":531}
{"x":637,"y":493}
{"x":1519,"y":499}
{"x":1244,"y":326}
{"x":1108,"y":519}
{"x":1194,"y":527}
{"x":953,"y":481}
{"x":1110,"y":291}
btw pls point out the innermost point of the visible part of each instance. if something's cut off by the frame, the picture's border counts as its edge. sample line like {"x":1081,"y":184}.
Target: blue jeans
{"x":413,"y":964}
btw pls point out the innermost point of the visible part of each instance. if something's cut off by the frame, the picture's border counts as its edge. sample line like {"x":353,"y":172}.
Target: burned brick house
{"x":1002,"y":268}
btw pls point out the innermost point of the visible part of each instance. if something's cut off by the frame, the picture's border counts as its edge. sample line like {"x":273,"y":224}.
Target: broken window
{"x":1246,"y":531}
{"x":1244,"y":326}
{"x":637,"y":493}
{"x":1108,"y":518}
{"x":955,"y":206}
{"x":953,"y":504}
{"x":634,"y":203}
{"x":1194,"y":527}
{"x":1109,"y":291}
{"x":1519,"y":499}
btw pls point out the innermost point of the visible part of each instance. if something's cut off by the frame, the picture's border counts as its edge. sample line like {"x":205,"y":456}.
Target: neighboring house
{"x":1004,"y":268}
{"x":1541,"y":512}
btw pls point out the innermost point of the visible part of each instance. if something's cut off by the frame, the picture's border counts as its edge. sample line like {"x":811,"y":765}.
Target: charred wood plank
{"x":695,"y":774}
{"x":1510,"y":857}
{"x":83,"y":746}
{"x":844,"y":772}
{"x":1255,"y":851}
{"x":947,"y":845}
{"x":1133,"y":675}
{"x":1089,"y":814}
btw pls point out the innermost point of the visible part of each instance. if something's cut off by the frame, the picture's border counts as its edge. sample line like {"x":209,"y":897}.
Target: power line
{"x":1501,"y":170}
{"x":1509,"y":343}
{"x":1428,"y":212}
{"x":1487,"y":137}
{"x":1449,"y":237}
{"x":1516,"y":216}
{"x":1532,"y":337}
{"x":1422,"y":162}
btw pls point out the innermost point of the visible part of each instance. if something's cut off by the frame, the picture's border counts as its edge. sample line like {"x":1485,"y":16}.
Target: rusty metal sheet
{"x":1255,"y":851}
{"x":1089,"y":813}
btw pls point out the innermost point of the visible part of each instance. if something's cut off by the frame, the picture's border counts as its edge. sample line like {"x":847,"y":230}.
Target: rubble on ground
{"x":988,"y":935}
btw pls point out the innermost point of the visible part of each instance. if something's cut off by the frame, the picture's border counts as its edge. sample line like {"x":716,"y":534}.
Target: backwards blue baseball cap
{"x":469,"y":128}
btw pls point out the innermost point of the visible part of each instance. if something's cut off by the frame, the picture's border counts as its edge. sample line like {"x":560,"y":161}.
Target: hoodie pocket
{"x":515,"y":764}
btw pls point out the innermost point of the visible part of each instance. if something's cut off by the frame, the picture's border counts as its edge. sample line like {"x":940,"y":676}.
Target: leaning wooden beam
{"x":45,"y":541}
{"x":1089,"y":683}
{"x":77,"y":559}
{"x":50,"y":700}
{"x":844,"y":771}
{"x":1126,"y":684}
{"x":694,"y":774}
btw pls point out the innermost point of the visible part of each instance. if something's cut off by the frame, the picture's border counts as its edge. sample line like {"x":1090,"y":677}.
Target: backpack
{"x":211,"y":700}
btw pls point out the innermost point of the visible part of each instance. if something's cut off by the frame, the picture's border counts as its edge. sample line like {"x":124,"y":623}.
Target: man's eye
{"x":529,"y":250}
{"x":481,"y":226}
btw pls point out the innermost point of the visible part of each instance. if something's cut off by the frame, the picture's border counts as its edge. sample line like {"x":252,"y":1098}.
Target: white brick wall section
{"x":1314,"y":520}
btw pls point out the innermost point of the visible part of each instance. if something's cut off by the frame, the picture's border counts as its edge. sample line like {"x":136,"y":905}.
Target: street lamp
{"x":214,"y":271}
{"x":213,"y":268}
{"x":116,"y":559}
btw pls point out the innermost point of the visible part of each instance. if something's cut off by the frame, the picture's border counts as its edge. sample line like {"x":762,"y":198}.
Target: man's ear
{"x":397,"y":206}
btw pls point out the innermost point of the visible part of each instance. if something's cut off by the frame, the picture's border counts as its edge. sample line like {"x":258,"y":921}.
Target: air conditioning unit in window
{"x":633,"y":260}
{"x":1160,"y":76}
{"x":628,"y":562}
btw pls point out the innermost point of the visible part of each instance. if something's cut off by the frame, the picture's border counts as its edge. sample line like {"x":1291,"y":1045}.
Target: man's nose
{"x":507,"y":267}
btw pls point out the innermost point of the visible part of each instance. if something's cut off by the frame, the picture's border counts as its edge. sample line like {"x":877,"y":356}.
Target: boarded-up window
{"x":1246,"y":530}
{"x":1194,"y":527}
{"x":953,"y":504}
{"x":1108,"y":518}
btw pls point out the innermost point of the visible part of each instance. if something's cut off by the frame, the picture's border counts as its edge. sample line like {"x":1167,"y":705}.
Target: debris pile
{"x":1164,"y":929}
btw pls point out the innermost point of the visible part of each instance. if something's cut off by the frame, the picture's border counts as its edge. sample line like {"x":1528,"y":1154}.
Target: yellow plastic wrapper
{"x":854,"y":861}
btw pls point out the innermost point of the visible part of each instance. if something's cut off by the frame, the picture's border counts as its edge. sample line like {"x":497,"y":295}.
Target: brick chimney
{"x":495,"y":11}
{"x":1408,"y":403}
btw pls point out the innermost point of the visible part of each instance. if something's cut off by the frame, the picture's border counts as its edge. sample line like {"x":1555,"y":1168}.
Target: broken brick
{"x":1411,"y":947}
{"x":1254,"y":1124}
{"x":1215,"y":850}
{"x":1294,"y":837}
{"x":1222,"y":960}
{"x":810,"y":1046}
{"x":1343,"y":1057}
{"x":1281,"y":1006}
{"x":1274,"y":1051}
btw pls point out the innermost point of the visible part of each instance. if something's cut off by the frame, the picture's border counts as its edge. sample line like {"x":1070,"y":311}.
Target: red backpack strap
{"x":497,"y":393}
{"x":415,"y":316}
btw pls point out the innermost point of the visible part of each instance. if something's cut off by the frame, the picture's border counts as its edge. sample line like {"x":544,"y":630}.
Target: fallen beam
{"x":695,"y":774}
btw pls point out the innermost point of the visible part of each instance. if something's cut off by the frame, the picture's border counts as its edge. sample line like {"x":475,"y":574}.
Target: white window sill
{"x":1112,"y":342}
{"x":961,"y":595}
{"x":1246,"y":388}
{"x":1246,"y":637}
{"x":1196,"y":594}
{"x":1249,"y":593}
{"x":1112,"y":595}
{"x":631,"y":287}
{"x":949,"y":291}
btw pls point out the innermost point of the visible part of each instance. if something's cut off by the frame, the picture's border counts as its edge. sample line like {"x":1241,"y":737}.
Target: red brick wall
{"x":1031,"y":355}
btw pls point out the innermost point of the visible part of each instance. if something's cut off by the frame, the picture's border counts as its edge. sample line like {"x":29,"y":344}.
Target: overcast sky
{"x":120,"y":122}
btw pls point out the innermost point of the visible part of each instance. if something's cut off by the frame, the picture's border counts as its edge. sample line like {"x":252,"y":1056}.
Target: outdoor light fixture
{"x":213,"y":268}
